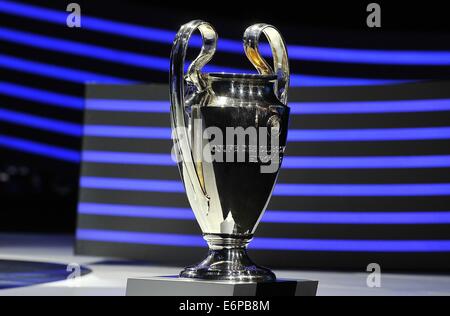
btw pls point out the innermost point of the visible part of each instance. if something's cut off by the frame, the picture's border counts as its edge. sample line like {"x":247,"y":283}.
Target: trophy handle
{"x":279,"y":52}
{"x":177,"y":94}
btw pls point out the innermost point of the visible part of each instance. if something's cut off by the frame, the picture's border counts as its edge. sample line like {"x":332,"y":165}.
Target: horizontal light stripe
{"x":289,"y":162}
{"x":58,"y":72}
{"x":262,"y":243}
{"x":127,"y":131}
{"x":151,"y":106}
{"x":41,"y":96}
{"x":304,"y":217}
{"x":34,"y":121}
{"x":422,"y":189}
{"x":75,"y":130}
{"x":128,"y":105}
{"x":288,"y":217}
{"x":388,"y":134}
{"x":127,"y":158}
{"x":159,"y":63}
{"x":372,"y":162}
{"x":81,"y":49}
{"x":367,"y":107}
{"x":281,"y":189}
{"x":135,"y":211}
{"x":374,"y":134}
{"x":326,"y":54}
{"x":294,"y":135}
{"x":132,"y":184}
{"x":352,"y":107}
{"x":366,"y":56}
{"x":41,"y":149}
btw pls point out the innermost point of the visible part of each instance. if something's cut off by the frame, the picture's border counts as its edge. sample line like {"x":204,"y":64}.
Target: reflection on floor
{"x":109,"y":275}
{"x":19,"y":273}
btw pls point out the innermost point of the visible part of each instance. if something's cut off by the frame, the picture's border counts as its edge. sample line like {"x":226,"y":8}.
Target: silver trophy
{"x":229,"y":180}
{"x":229,"y":133}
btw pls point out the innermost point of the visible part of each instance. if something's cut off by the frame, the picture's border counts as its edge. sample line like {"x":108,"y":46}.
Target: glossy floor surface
{"x":109,"y":276}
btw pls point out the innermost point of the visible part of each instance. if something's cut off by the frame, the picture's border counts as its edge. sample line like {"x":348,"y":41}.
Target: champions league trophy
{"x":229,"y":134}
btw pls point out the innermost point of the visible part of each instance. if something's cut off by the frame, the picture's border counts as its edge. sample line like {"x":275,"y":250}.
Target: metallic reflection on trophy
{"x":229,"y":180}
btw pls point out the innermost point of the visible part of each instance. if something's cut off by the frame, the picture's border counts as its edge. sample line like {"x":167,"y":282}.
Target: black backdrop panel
{"x":366,"y":179}
{"x":45,"y":64}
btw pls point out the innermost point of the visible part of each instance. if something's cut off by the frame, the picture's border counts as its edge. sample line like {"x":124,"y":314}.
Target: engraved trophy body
{"x":229,"y":134}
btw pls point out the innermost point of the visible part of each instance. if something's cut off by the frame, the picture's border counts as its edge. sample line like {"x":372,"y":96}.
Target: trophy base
{"x":228,"y":265}
{"x":228,"y":260}
{"x":176,"y":286}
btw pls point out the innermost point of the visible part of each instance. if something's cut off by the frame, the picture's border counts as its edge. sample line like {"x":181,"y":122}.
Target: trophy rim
{"x":241,"y":76}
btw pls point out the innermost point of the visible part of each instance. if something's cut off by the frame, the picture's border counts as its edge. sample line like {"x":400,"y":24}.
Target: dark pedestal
{"x":175,"y":286}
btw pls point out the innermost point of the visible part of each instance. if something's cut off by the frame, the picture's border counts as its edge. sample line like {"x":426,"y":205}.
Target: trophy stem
{"x":228,"y":260}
